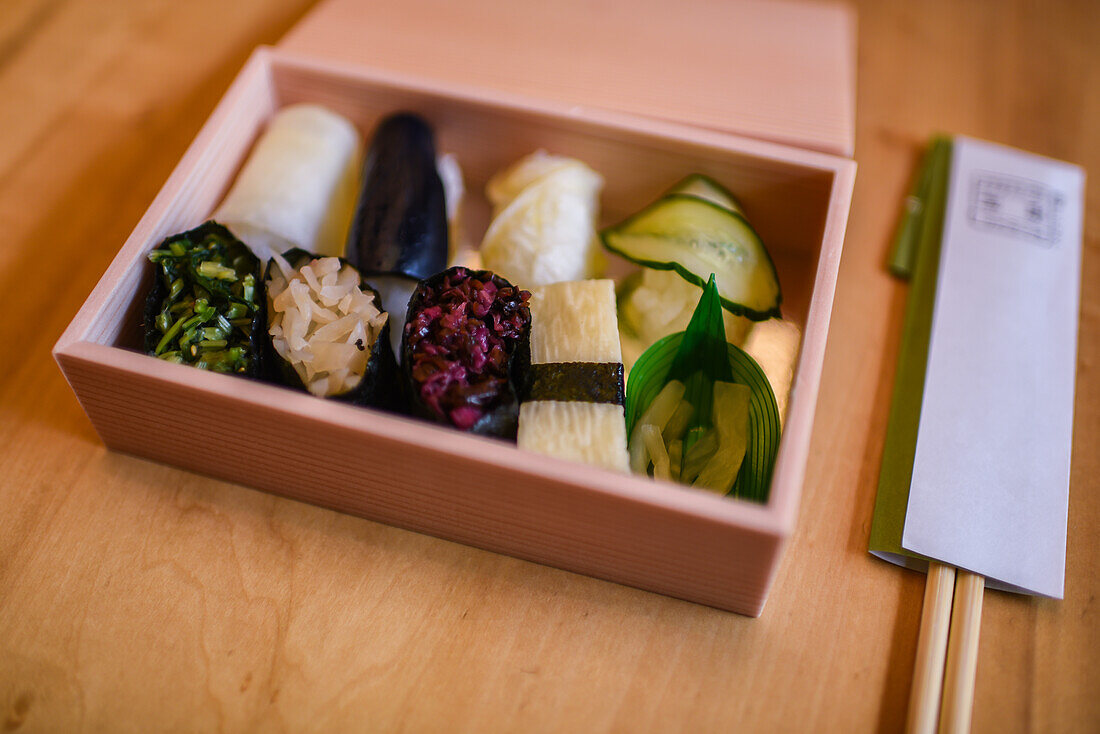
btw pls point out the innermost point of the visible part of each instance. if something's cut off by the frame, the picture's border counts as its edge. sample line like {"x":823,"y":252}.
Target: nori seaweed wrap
{"x":341,"y":348}
{"x":399,"y":233}
{"x":204,"y":308}
{"x":400,"y":224}
{"x":465,"y":350}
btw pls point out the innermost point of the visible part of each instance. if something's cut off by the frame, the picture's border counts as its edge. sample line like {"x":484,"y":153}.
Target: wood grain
{"x":962,"y":654}
{"x":619,"y":57}
{"x":935,"y":623}
{"x":134,"y":597}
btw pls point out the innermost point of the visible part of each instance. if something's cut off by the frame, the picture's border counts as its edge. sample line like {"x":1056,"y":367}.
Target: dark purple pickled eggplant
{"x":378,"y":385}
{"x":205,"y":308}
{"x":465,"y":351}
{"x":400,"y":223}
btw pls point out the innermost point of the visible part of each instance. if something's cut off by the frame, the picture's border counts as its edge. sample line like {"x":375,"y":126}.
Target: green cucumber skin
{"x":736,"y":309}
{"x":689,"y":179}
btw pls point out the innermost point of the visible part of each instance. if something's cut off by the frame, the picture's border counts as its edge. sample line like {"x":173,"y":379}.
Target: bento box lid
{"x":782,"y":71}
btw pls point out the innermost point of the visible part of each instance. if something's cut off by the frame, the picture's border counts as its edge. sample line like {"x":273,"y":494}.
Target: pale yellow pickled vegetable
{"x":675,"y":457}
{"x":657,"y":415}
{"x":655,"y":447}
{"x":731,"y":419}
{"x":698,"y":454}
{"x":679,"y":422}
{"x":662,"y":304}
{"x":774,"y":345}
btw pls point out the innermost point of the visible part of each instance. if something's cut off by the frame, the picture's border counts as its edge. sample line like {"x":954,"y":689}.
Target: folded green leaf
{"x":699,"y":357}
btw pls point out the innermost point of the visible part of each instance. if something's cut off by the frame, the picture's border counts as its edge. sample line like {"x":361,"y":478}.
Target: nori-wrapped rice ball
{"x":204,"y":307}
{"x":329,"y":334}
{"x":399,"y":233}
{"x":465,"y":350}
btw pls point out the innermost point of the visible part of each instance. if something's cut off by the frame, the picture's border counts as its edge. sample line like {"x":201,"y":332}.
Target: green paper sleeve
{"x":921,"y":255}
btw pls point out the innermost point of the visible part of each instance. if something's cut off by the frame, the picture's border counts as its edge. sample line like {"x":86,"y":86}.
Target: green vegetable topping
{"x":208,"y":282}
{"x":213,"y":269}
{"x":710,"y":403}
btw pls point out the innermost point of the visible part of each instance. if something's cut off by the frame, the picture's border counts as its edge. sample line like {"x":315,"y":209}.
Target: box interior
{"x":787,"y":202}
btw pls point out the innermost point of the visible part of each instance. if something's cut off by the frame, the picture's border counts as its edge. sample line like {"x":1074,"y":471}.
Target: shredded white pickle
{"x":322,"y":323}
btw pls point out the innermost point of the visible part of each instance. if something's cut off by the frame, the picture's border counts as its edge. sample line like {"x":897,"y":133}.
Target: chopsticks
{"x":947,"y":652}
{"x":942,"y":692}
{"x":962,"y":653}
{"x":935,"y":620}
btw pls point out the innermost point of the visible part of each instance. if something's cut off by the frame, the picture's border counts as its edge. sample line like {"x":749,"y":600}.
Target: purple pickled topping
{"x":461,"y":341}
{"x":478,"y":360}
{"x":454,"y":318}
{"x":465,"y":417}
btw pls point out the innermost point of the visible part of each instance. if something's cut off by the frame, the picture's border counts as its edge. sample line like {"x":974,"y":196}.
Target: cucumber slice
{"x":707,"y":188}
{"x":696,"y":238}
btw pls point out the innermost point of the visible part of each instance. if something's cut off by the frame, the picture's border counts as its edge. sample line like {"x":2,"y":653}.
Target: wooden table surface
{"x":135,"y":597}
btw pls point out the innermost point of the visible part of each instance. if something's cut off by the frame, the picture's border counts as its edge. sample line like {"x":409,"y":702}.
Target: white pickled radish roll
{"x":544,"y":221}
{"x":504,"y":187}
{"x":298,"y":186}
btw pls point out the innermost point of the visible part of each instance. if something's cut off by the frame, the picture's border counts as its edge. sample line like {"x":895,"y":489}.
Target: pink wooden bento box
{"x":656,"y":536}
